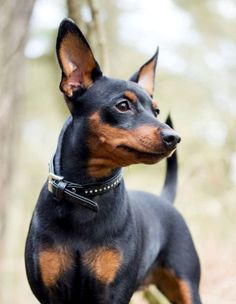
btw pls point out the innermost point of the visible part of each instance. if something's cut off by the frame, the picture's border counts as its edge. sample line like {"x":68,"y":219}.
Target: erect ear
{"x":145,"y":77}
{"x":77,"y":62}
{"x":169,"y":121}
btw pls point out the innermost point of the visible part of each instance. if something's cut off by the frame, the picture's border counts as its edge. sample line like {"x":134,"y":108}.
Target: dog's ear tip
{"x":66,"y":25}
{"x":155,"y":56}
{"x":67,"y":21}
{"x":169,"y":121}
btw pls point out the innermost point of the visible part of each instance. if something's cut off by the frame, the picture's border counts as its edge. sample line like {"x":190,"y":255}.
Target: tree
{"x":14,"y":19}
{"x":89,"y":28}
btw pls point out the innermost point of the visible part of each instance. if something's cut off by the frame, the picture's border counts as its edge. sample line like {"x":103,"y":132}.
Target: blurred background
{"x":195,"y":82}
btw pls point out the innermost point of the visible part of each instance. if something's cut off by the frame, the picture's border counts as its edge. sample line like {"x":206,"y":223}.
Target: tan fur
{"x":131,"y":96}
{"x":147,"y":76}
{"x":154,"y":104}
{"x":77,"y":62}
{"x":105,"y":155}
{"x":53,"y":263}
{"x":104,"y":263}
{"x":175,"y":289}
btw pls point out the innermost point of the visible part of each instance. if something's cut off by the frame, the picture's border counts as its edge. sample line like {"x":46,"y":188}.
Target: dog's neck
{"x":72,"y":166}
{"x":71,"y":158}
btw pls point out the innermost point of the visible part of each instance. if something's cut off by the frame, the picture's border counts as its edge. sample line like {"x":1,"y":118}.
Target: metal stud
{"x":73,"y":189}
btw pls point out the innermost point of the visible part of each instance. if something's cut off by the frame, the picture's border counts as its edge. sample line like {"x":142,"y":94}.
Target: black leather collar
{"x":77,"y":193}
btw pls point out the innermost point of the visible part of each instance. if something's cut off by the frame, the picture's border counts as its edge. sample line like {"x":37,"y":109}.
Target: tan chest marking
{"x":104,"y":263}
{"x":53,"y":263}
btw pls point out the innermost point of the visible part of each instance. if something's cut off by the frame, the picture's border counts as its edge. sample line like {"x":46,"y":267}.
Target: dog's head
{"x":121,"y":118}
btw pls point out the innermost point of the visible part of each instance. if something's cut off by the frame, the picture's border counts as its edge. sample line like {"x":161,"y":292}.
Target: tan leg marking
{"x":175,"y":289}
{"x":53,"y":263}
{"x":104,"y":263}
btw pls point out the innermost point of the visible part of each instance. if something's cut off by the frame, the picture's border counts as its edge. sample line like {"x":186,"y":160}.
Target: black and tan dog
{"x":91,"y":240}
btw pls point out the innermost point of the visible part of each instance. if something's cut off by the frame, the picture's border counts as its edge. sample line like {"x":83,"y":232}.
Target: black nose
{"x":170,"y":138}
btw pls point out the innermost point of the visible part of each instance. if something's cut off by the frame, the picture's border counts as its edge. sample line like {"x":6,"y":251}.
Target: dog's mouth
{"x":144,"y":154}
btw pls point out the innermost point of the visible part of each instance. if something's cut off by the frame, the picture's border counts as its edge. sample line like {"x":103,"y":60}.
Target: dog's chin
{"x":171,"y":152}
{"x":152,"y":159}
{"x":145,"y":157}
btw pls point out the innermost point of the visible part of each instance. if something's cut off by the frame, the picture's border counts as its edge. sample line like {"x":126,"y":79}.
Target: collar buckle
{"x":53,"y":177}
{"x":77,"y":193}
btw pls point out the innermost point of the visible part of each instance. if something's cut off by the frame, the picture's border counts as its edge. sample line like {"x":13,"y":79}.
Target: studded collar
{"x":77,"y":193}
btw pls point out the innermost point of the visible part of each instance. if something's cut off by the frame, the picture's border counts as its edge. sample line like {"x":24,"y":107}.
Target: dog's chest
{"x":101,"y":264}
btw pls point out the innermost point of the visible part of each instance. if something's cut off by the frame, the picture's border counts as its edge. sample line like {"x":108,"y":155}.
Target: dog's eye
{"x":156,"y":112}
{"x":123,"y":106}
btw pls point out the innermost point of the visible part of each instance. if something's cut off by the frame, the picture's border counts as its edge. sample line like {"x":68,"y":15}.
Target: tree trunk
{"x":14,"y":21}
{"x":93,"y":29}
{"x":74,"y":12}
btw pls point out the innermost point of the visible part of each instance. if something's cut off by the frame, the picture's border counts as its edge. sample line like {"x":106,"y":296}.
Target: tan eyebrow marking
{"x":131,"y":96}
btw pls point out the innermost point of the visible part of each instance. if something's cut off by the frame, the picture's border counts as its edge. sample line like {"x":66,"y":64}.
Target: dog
{"x":90,"y":240}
